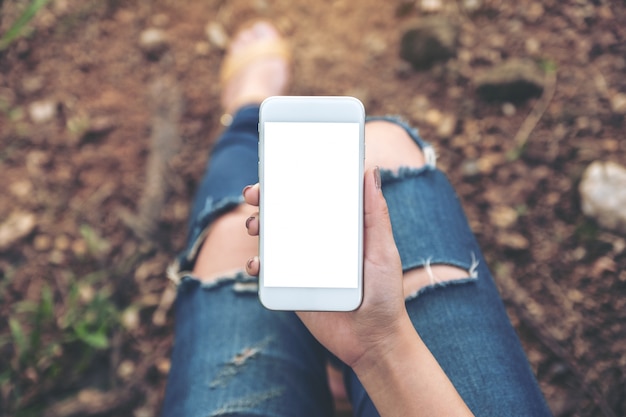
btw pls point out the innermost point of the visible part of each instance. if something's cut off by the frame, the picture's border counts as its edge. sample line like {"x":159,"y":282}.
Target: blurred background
{"x":108,"y":109}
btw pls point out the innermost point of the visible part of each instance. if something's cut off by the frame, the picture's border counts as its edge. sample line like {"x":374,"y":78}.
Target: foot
{"x":256,"y":67}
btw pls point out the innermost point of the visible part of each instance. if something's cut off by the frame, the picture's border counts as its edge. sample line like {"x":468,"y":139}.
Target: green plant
{"x":17,"y":28}
{"x":53,"y":340}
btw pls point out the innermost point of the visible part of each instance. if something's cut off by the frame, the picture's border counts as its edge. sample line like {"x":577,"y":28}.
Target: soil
{"x":104,"y":138}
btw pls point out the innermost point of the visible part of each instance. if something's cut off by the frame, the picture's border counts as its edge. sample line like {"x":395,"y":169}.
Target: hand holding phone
{"x":382,"y":316}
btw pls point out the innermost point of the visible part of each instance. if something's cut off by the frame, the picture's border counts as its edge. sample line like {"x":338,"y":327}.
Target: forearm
{"x":404,"y":379}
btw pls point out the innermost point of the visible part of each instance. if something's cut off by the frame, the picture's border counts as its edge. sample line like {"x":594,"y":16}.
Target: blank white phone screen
{"x":311,"y":205}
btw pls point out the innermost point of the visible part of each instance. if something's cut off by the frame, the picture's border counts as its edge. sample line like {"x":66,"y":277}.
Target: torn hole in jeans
{"x":434,"y":281}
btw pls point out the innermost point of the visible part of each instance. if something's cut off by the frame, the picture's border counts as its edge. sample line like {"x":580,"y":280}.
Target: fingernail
{"x":248,"y":220}
{"x":246,"y":188}
{"x":377,"y":180}
{"x":249,"y":264}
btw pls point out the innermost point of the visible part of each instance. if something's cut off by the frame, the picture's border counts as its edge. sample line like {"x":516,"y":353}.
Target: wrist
{"x":403,"y":340}
{"x":402,"y":377}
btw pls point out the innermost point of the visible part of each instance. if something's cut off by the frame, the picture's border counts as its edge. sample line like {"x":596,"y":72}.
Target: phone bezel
{"x":334,"y":109}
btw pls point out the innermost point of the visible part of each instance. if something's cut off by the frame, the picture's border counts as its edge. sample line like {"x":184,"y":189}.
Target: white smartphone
{"x":311,"y":153}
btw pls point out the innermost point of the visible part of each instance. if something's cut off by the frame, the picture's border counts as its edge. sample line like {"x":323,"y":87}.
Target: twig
{"x":165,"y":141}
{"x":529,"y":124}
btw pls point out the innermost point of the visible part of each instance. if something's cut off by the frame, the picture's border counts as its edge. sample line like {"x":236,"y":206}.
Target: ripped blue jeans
{"x":233,"y":357}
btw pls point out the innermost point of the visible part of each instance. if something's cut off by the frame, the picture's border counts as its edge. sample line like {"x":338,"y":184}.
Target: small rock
{"x":42,"y":111}
{"x":431,"y":5}
{"x":512,"y":240}
{"x":515,"y":80}
{"x":130,"y":318}
{"x":603,"y":265}
{"x":618,"y":103}
{"x":433,"y":117}
{"x":202,"y":48}
{"x":503,"y":216}
{"x":153,"y":42}
{"x":163,"y":365}
{"x":603,"y":195}
{"x":86,"y":293}
{"x":32,"y":84}
{"x":16,"y":227}
{"x":532,"y":46}
{"x":534,"y":12}
{"x":126,"y":369}
{"x":470,"y":168}
{"x":42,"y":243}
{"x":216,"y":34}
{"x":471,"y":5}
{"x":21,"y":188}
{"x":62,"y":242}
{"x":431,"y":42}
{"x":447,"y":126}
{"x":508,"y":109}
{"x":79,"y":248}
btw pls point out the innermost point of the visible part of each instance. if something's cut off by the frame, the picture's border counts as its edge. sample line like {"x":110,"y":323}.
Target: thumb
{"x":379,"y":242}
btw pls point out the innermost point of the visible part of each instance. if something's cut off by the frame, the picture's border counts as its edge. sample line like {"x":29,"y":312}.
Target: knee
{"x":389,"y":146}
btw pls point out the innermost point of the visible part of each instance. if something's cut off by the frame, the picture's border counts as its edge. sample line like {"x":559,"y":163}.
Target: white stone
{"x":603,"y":195}
{"x":153,"y":40}
{"x":618,"y":103}
{"x":42,"y":111}
{"x":431,"y":5}
{"x":216,"y":35}
{"x":17,"y":226}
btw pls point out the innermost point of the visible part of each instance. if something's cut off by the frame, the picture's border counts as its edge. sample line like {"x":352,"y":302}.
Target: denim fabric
{"x":233,"y":357}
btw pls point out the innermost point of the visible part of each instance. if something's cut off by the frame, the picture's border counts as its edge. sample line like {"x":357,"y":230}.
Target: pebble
{"x":512,"y":240}
{"x":32,"y":84}
{"x":42,"y":243}
{"x":508,"y":109}
{"x":19,"y":225}
{"x":534,"y":12}
{"x":503,"y":216}
{"x":471,"y":5}
{"x":470,"y":168}
{"x":532,"y":46}
{"x":130,"y":318}
{"x":202,"y":48}
{"x":431,"y":5}
{"x":153,"y":41}
{"x":433,"y":117}
{"x":430,"y":42}
{"x":62,"y":242}
{"x":447,"y":126}
{"x":163,"y":365}
{"x":21,"y":188}
{"x":603,"y":195}
{"x":618,"y":103}
{"x":216,"y":34}
{"x":126,"y":369}
{"x":514,"y":80}
{"x":42,"y":111}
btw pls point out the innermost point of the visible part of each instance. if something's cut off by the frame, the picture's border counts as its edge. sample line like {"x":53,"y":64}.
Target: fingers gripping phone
{"x":311,"y":153}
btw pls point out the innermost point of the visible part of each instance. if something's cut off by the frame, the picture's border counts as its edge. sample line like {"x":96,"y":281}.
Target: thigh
{"x":463,"y":321}
{"x":232,"y":356}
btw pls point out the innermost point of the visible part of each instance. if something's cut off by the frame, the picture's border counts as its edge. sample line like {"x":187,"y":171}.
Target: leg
{"x":451,"y":297}
{"x":232,"y":356}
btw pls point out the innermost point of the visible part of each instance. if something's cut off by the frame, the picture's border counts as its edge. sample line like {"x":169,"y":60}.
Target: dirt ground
{"x":104,"y":137}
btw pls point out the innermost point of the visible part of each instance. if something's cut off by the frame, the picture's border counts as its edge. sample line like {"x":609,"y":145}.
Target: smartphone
{"x":311,"y":154}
